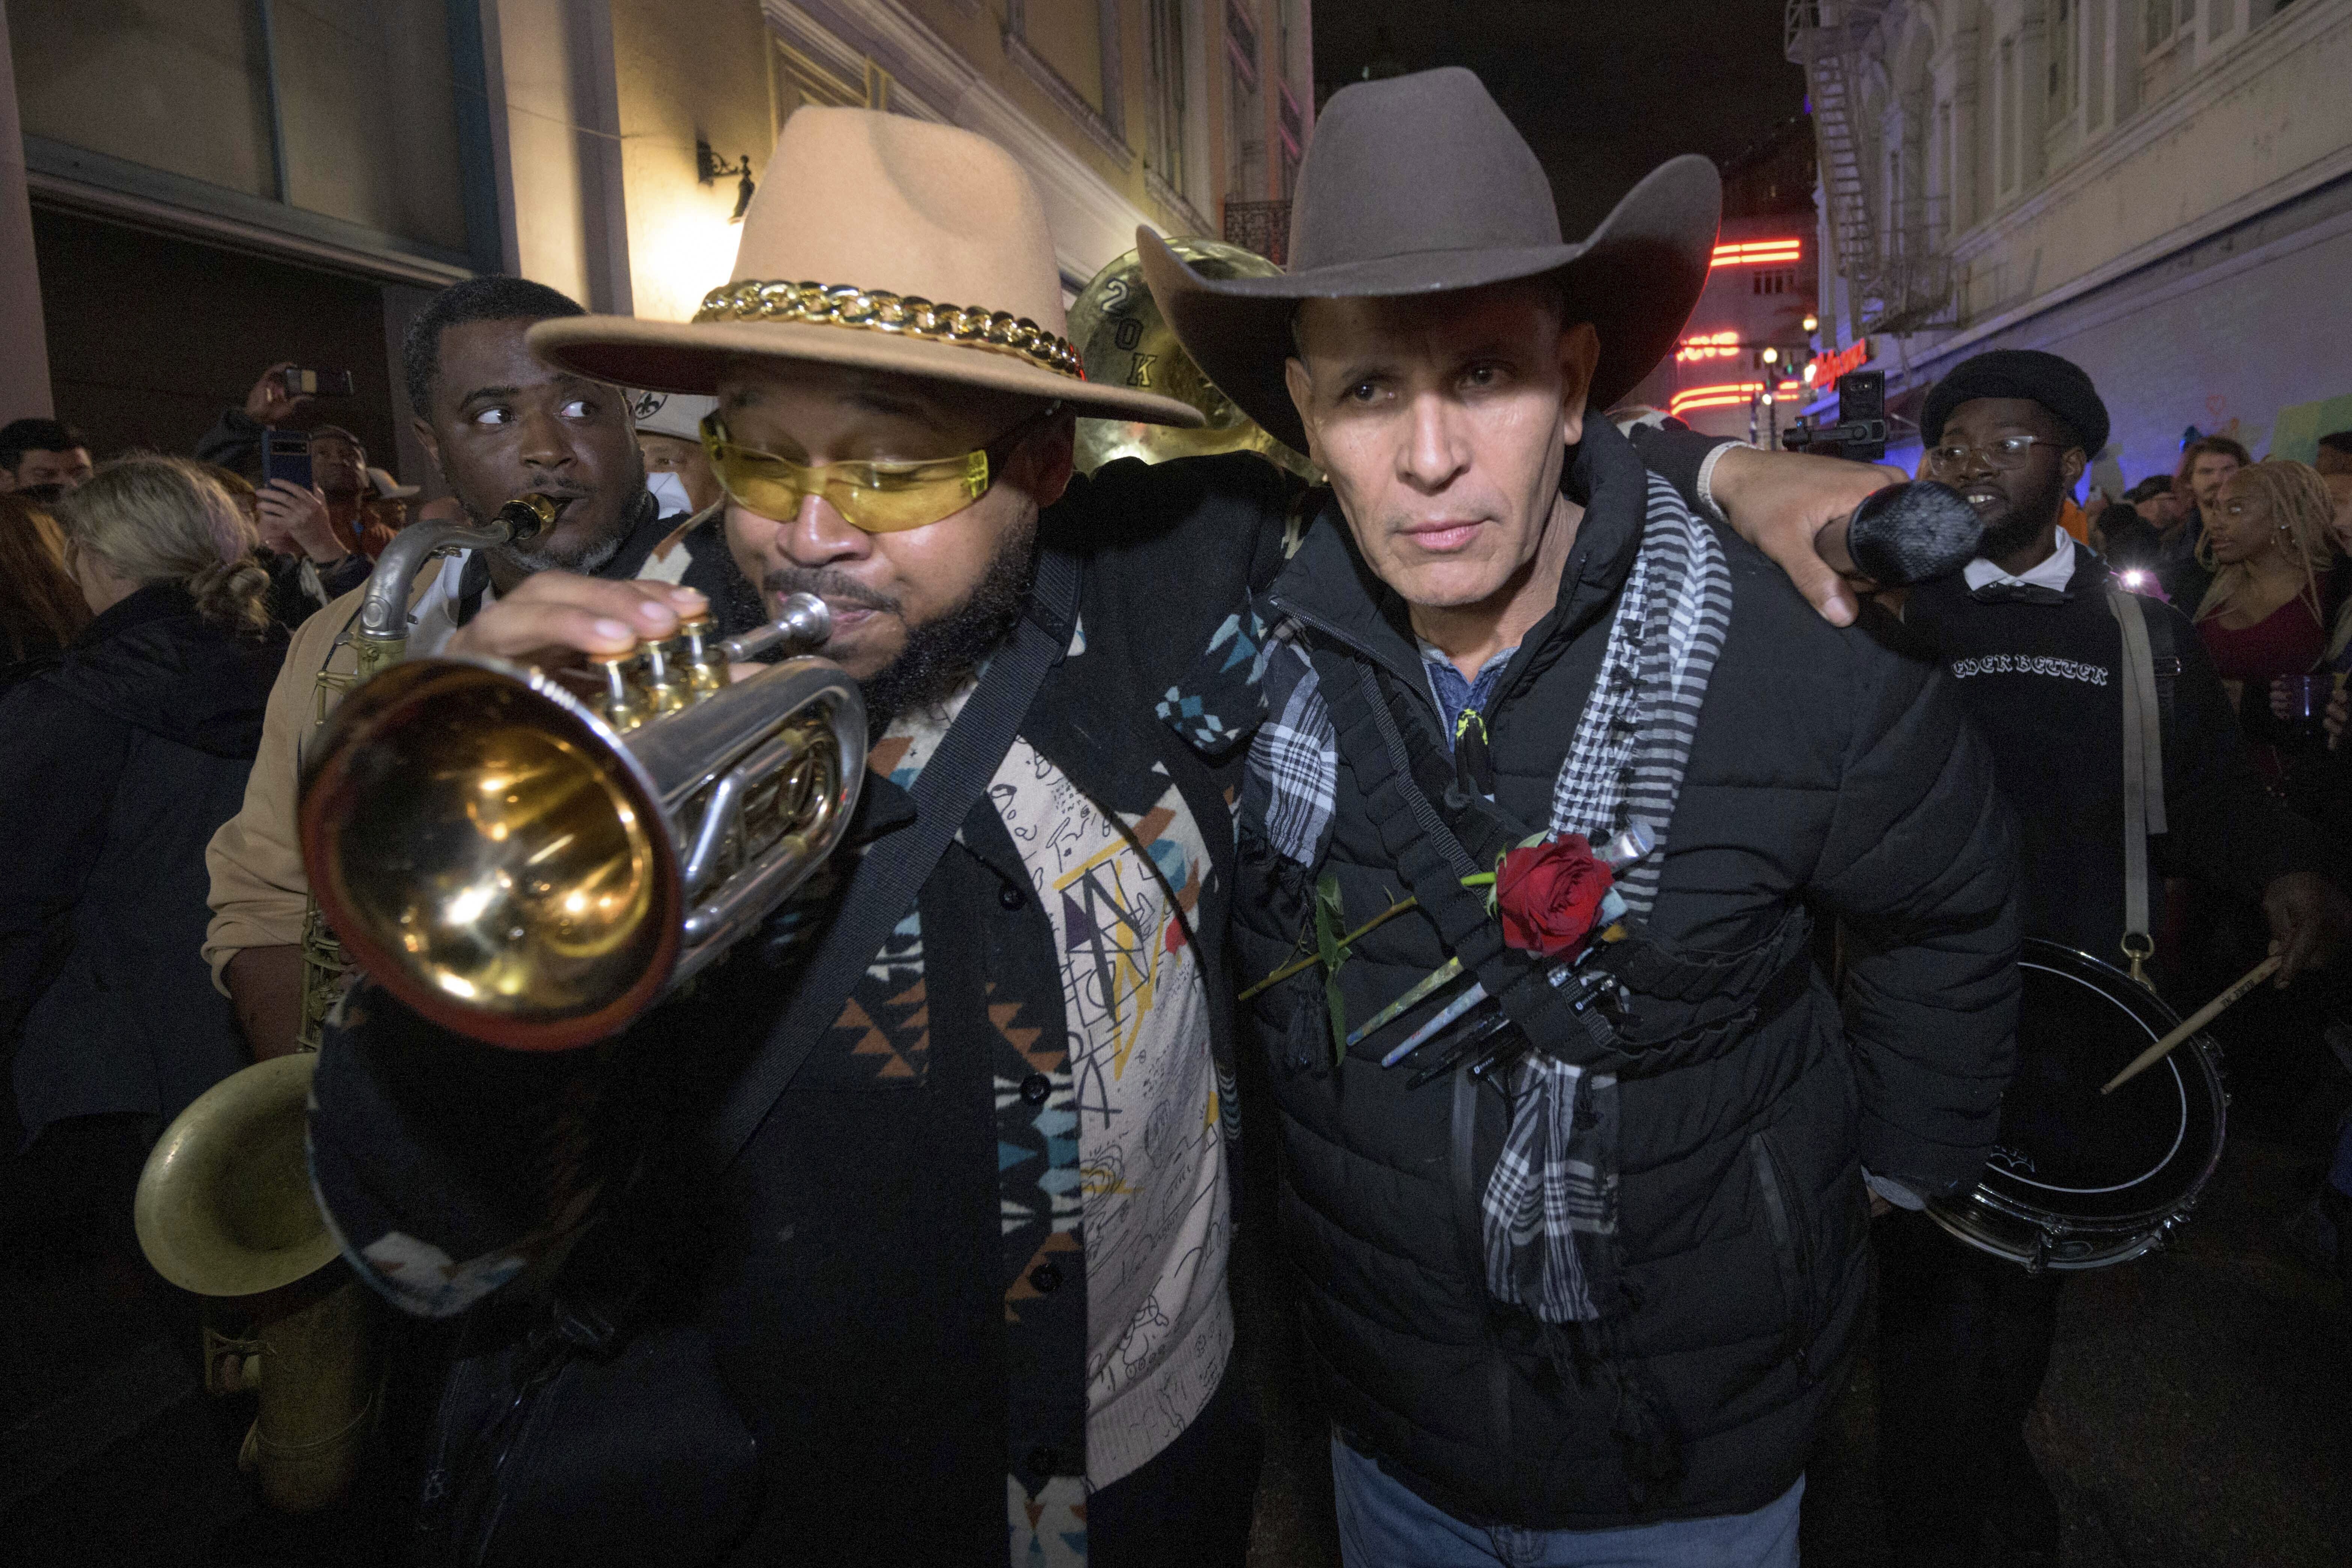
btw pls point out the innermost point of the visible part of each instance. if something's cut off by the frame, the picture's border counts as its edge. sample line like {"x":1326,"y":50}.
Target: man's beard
{"x":940,"y":655}
{"x":2029,"y":523}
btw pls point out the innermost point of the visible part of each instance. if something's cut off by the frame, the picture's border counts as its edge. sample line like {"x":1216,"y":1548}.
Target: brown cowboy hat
{"x":881,"y":242}
{"x":1418,"y":184}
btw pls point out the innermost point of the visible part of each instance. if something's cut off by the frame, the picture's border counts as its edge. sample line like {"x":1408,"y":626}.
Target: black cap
{"x":2058,"y":384}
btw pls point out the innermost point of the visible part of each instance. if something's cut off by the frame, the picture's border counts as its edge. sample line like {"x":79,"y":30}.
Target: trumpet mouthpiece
{"x":808,"y":620}
{"x":802,"y":622}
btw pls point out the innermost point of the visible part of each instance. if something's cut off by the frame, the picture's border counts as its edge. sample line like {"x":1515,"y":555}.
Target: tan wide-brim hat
{"x":883,"y":243}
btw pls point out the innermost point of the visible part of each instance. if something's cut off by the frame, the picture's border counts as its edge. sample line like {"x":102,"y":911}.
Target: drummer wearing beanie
{"x":2034,"y":634}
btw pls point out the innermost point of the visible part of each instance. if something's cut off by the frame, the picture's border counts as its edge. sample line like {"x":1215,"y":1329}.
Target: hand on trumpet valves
{"x":555,"y":619}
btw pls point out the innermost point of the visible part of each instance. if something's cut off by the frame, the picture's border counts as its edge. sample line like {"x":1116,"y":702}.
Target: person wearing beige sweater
{"x":496,"y":422}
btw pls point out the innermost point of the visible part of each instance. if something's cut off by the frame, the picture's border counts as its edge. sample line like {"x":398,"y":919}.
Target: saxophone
{"x":225,"y":1208}
{"x":379,"y":639}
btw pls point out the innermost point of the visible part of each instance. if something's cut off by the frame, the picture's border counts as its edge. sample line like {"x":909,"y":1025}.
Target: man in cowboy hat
{"x":1595,"y":1316}
{"x":929,"y":1258}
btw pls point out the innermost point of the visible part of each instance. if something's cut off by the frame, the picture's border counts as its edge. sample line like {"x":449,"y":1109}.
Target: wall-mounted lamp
{"x":1813,"y":323}
{"x":708,"y":167}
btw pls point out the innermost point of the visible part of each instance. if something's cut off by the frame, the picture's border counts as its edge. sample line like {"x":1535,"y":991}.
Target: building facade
{"x":192,"y":190}
{"x":2161,"y":190}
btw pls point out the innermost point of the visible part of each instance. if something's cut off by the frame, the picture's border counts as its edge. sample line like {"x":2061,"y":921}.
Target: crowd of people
{"x":868,"y":1247}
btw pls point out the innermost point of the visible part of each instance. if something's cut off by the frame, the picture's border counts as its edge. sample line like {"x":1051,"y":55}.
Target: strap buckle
{"x":2140,"y":947}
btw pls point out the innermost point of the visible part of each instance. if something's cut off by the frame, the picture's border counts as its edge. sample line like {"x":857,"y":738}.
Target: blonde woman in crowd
{"x":2267,"y":615}
{"x":127,"y":752}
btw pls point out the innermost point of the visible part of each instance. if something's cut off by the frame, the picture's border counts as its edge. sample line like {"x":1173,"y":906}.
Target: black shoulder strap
{"x":885,"y":885}
{"x":1432,"y":857}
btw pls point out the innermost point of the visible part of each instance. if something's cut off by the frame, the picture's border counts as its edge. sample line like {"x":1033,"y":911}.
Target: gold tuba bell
{"x":534,"y":868}
{"x":1125,"y":341}
{"x":223,"y":1209}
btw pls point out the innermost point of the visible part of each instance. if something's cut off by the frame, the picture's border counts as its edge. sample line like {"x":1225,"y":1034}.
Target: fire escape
{"x":1896,"y":279}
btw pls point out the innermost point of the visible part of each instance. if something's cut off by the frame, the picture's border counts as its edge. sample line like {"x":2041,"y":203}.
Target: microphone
{"x":1903,"y":534}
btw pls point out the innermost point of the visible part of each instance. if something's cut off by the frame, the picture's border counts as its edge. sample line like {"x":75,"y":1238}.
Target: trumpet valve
{"x":705,"y":668}
{"x":667,"y":688}
{"x":622,"y":704}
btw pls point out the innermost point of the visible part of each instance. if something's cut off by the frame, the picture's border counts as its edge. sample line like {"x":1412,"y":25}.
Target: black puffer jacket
{"x":121,"y":762}
{"x":1827,"y":776}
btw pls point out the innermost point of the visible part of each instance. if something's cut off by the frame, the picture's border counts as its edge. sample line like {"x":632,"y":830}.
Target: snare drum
{"x":2078,"y":1179}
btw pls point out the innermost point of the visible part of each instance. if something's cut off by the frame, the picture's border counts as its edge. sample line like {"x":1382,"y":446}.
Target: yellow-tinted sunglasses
{"x":876,"y":498}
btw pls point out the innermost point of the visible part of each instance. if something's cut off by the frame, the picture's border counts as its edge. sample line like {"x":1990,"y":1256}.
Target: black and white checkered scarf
{"x":1556,"y":1178}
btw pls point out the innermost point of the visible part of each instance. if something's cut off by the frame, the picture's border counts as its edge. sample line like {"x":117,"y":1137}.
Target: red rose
{"x":1549,"y":895}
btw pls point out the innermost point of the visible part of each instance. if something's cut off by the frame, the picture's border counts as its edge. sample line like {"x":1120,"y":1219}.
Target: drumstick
{"x":2197,"y":1020}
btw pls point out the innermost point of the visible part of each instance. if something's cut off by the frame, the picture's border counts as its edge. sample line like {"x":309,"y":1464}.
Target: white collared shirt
{"x":2054,"y":572}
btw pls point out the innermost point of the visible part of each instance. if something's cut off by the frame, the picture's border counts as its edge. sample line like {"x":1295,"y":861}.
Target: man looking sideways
{"x":955,"y":1269}
{"x":498,"y":423}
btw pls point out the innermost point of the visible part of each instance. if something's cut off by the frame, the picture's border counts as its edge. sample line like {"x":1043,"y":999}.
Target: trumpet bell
{"x":1125,"y":342}
{"x":224,"y":1206}
{"x":493,"y":854}
{"x":505,"y":860}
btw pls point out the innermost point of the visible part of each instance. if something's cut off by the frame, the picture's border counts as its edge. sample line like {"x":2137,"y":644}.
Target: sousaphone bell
{"x":1125,"y":341}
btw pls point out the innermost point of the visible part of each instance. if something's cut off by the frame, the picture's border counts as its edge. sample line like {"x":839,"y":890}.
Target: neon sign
{"x":1761,"y":253}
{"x":1725,"y":394}
{"x":1709,"y":345}
{"x":1829,"y":367}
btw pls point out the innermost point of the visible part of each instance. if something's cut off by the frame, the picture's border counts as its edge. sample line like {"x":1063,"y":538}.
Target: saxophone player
{"x":498,"y":423}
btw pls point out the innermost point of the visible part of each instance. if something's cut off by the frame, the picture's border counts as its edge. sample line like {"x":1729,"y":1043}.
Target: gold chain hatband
{"x":878,"y":311}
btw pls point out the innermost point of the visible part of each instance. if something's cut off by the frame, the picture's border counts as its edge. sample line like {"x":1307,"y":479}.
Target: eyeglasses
{"x":875,"y":498}
{"x":2002,"y":454}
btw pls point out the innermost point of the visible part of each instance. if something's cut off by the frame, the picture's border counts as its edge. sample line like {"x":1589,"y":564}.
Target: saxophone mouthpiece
{"x":527,"y":517}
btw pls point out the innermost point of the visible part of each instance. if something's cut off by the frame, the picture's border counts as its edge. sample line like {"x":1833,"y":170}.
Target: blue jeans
{"x":1382,"y":1524}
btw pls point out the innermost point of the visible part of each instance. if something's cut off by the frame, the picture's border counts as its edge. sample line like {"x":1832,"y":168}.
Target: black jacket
{"x":1827,"y":776}
{"x":120,"y":763}
{"x":846,"y":1271}
{"x":2043,"y":684}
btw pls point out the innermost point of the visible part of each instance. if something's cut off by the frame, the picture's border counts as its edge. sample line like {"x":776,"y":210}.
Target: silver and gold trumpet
{"x":534,"y":868}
